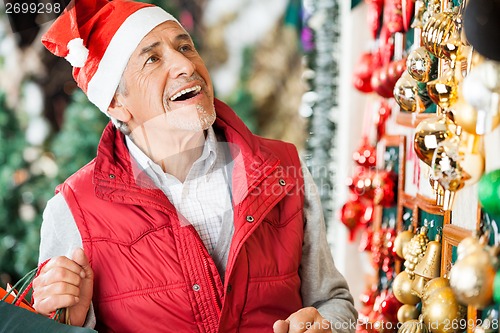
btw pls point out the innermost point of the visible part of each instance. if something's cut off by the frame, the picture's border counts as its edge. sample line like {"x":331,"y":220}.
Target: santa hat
{"x":98,"y":37}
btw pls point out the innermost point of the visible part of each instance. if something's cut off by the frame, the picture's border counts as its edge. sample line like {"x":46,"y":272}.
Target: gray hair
{"x":120,"y":125}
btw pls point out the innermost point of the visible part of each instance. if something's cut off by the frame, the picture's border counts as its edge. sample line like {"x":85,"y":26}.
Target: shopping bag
{"x":14,"y":319}
{"x":18,"y":316}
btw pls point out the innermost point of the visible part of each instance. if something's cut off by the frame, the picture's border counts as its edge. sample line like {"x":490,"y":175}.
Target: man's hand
{"x":305,"y":320}
{"x":65,"y":283}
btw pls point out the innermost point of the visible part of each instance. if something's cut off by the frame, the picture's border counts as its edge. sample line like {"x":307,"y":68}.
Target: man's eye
{"x":152,"y":60}
{"x":185,"y":48}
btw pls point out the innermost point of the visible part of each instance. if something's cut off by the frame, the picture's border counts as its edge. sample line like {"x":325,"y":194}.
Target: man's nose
{"x":180,"y":65}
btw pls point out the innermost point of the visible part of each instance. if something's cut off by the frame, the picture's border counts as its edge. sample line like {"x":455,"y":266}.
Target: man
{"x":188,"y":222}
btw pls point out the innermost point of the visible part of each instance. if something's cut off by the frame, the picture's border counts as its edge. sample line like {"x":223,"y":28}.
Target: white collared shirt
{"x":204,"y":198}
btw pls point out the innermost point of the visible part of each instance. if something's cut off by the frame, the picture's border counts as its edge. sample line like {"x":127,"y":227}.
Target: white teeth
{"x":196,"y":89}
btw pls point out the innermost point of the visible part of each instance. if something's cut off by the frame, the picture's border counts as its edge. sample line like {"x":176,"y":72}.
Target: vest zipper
{"x":210,"y":281}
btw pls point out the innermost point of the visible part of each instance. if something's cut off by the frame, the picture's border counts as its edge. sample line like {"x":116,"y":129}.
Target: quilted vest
{"x":153,"y":273}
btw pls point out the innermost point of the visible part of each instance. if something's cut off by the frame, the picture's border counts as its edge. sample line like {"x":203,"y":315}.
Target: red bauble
{"x":385,"y":188}
{"x":393,"y":18}
{"x":389,"y":307}
{"x":383,"y":113}
{"x":363,"y":72}
{"x":366,"y":154}
{"x":374,"y":16}
{"x":408,"y":10}
{"x":352,"y":215}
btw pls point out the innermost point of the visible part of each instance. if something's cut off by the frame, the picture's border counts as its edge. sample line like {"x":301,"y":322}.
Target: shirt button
{"x":250,"y":218}
{"x":196,"y":287}
{"x":282,"y":182}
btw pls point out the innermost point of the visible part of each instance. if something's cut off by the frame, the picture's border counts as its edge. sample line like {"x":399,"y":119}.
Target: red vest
{"x":154,"y":275}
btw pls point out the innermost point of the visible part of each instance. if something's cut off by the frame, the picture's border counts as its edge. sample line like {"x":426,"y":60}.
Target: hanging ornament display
{"x":415,"y":251}
{"x":489,"y":192}
{"x":472,"y":276}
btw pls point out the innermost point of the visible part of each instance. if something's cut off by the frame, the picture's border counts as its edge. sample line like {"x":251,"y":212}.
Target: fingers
{"x":59,"y":283}
{"x":81,"y":259}
{"x":280,"y":326}
{"x":307,"y":320}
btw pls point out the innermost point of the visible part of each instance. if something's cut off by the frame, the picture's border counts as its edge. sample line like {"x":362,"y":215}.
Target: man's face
{"x":166,"y":83}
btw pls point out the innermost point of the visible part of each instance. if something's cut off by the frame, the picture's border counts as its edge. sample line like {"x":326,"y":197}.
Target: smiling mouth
{"x":186,"y":94}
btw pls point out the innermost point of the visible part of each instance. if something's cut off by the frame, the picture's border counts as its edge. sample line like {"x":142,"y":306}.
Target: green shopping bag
{"x":14,"y":319}
{"x":18,"y":316}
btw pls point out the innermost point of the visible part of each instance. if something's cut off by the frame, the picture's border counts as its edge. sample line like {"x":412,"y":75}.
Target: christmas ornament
{"x":415,"y":251}
{"x":472,"y":276}
{"x":466,"y":116}
{"x":352,"y":215}
{"x":365,"y":243}
{"x":393,"y":16}
{"x":422,"y":65}
{"x":429,"y":133}
{"x":413,"y":326}
{"x":470,"y":147}
{"x":383,"y":113}
{"x":385,"y":185}
{"x":447,"y":170}
{"x":437,"y":31}
{"x":401,"y":287}
{"x":407,"y":312}
{"x":401,"y":241}
{"x":390,"y":306}
{"x":366,"y":155}
{"x":428,"y":268}
{"x":489,"y":192}
{"x":442,"y":309}
{"x":407,"y":96}
{"x":481,"y":26}
{"x":433,"y":285}
{"x":384,"y":79}
{"x":374,"y":16}
{"x":363,"y":72}
{"x":407,"y":9}
{"x":444,"y":90}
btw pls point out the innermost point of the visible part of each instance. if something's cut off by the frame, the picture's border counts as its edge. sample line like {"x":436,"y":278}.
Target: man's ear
{"x":118,"y":110}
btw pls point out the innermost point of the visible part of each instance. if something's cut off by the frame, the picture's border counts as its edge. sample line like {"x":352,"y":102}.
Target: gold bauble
{"x":432,"y":286}
{"x":472,"y":279}
{"x":437,"y":31}
{"x":420,"y":65}
{"x":441,"y":310}
{"x":429,"y":133}
{"x":401,"y":241}
{"x":413,"y":326}
{"x":444,"y":90}
{"x":407,"y":312}
{"x":465,"y":116}
{"x":401,"y":287}
{"x":406,"y":94}
{"x":468,"y":246}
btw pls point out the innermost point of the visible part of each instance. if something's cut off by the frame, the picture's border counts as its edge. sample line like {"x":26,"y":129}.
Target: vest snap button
{"x":112,"y":176}
{"x":282,"y":182}
{"x":196,"y":287}
{"x":250,"y":218}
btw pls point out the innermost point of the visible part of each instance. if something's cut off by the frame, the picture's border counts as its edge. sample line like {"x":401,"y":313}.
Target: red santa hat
{"x":98,"y":37}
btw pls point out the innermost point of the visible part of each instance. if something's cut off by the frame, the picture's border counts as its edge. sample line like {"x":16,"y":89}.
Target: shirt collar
{"x":208,"y":155}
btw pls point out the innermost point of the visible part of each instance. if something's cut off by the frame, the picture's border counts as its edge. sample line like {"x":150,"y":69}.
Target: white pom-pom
{"x":78,"y":53}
